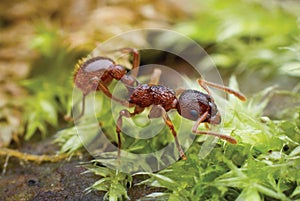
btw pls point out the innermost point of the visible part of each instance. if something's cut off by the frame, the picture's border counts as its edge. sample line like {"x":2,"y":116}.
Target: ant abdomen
{"x":96,"y":74}
{"x":89,"y":73}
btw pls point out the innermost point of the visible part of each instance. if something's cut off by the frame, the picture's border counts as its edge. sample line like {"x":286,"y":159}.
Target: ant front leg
{"x":222,"y":136}
{"x":155,"y":110}
{"x":127,"y":114}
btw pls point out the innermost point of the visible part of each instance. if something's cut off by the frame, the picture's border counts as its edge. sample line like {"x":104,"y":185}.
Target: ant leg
{"x":135,"y":59}
{"x":135,"y":54}
{"x":169,"y":123}
{"x":204,"y":85}
{"x":105,"y":90}
{"x":127,"y":114}
{"x":154,"y":79}
{"x":68,"y":118}
{"x":82,"y":109}
{"x":222,"y":136}
{"x":206,"y":125}
{"x":219,"y":135}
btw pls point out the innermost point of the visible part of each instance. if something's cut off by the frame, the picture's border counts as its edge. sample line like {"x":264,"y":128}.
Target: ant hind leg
{"x":127,"y":114}
{"x":135,"y":59}
{"x":105,"y":90}
{"x":69,"y":118}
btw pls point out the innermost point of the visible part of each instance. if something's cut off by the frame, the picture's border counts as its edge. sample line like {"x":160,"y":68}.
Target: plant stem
{"x":32,"y":157}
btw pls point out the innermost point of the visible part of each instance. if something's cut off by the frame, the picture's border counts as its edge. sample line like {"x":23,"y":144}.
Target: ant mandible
{"x":191,"y":104}
{"x":97,"y":73}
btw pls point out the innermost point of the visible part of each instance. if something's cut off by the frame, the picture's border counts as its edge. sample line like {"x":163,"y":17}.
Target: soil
{"x":63,"y":180}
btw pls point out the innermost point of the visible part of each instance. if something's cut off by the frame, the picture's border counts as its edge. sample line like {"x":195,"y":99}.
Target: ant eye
{"x":194,"y":113}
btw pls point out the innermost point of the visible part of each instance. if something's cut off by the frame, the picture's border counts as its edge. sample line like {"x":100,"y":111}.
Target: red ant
{"x":97,"y":73}
{"x":190,"y":104}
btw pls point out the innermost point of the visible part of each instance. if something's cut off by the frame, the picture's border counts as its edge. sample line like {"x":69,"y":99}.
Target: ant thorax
{"x":145,"y":95}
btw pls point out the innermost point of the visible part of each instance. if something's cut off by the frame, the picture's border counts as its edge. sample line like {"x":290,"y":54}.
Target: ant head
{"x":193,"y":104}
{"x":88,"y":73}
{"x":215,"y":117}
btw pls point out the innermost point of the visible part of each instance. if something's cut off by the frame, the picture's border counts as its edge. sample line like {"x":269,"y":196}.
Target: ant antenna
{"x":204,"y":85}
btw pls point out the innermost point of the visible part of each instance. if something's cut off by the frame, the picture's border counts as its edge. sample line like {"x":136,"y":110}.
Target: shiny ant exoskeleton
{"x":97,"y":73}
{"x":190,"y":104}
